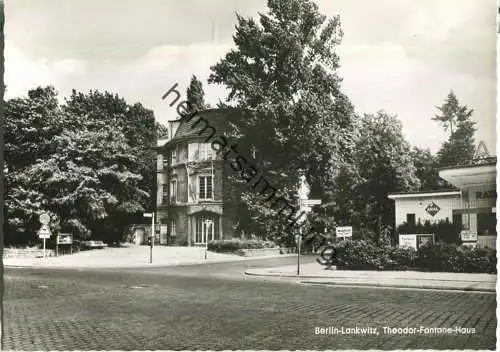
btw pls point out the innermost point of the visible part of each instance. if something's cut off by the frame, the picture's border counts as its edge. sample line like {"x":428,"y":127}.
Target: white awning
{"x":423,"y":195}
{"x":465,"y":177}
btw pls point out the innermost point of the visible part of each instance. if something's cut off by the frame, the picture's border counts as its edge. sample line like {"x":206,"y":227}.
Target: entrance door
{"x":208,"y":231}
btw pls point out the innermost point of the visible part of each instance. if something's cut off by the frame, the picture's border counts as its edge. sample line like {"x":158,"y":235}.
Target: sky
{"x":401,"y":56}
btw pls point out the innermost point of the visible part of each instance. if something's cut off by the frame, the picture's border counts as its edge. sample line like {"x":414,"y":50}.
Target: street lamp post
{"x":207,"y":223}
{"x":152,"y":216}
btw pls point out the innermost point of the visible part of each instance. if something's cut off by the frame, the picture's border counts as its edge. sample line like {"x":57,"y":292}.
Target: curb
{"x":304,"y":279}
{"x":143,"y":266}
{"x":421,"y":287}
{"x":253,"y":273}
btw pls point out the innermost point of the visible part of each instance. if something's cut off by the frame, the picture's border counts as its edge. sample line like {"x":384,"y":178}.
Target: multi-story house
{"x":192,"y":207}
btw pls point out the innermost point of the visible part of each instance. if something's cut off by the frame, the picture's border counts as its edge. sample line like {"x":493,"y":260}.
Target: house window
{"x":173,"y":155}
{"x":173,"y":190}
{"x":206,"y":151}
{"x":457,"y":219}
{"x":172,"y":228}
{"x":165,"y":161}
{"x":164,"y":193}
{"x":180,"y":153}
{"x":410,"y":219}
{"x":205,"y":187}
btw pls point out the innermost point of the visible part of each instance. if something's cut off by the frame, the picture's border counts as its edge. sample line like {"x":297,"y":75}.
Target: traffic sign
{"x":44,"y":218}
{"x":148,"y":215}
{"x":44,"y":232}
{"x":310,"y":202}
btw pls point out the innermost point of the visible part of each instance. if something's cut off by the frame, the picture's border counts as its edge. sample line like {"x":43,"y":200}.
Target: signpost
{"x":304,"y":207}
{"x":309,"y":202}
{"x":44,"y":233}
{"x":64,"y":238}
{"x":343,"y":231}
{"x":152,"y":216}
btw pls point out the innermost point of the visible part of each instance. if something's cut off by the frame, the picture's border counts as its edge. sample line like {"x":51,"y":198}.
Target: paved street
{"x":216,"y":307}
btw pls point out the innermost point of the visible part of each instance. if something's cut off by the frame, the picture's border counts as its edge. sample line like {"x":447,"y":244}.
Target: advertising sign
{"x":415,"y":240}
{"x":432,"y":209}
{"x":343,"y":231}
{"x":423,"y":239}
{"x":468,"y":235}
{"x":408,"y":241}
{"x":65,"y":238}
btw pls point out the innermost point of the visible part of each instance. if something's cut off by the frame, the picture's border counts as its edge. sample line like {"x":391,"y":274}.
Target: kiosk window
{"x":486,"y":224}
{"x":457,"y":219}
{"x":410,"y":219}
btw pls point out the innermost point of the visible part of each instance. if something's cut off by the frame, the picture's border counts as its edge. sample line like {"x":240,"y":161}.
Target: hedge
{"x":235,"y":244}
{"x":436,"y":257}
{"x":443,"y":230}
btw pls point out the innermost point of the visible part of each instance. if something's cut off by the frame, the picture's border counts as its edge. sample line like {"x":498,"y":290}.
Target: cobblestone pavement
{"x":104,"y":310}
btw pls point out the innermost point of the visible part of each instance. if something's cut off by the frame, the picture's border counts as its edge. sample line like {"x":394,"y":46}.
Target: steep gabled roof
{"x":191,"y":128}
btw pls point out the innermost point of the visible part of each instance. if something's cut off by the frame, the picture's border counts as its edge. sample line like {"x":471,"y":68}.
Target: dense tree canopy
{"x":87,"y":162}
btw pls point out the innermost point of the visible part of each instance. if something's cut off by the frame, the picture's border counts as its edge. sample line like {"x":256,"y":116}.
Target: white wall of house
{"x":416,"y":205}
{"x":479,"y":199}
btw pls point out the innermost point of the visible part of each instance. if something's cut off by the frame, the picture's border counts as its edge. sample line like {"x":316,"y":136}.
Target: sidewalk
{"x":129,"y":257}
{"x":314,"y":273}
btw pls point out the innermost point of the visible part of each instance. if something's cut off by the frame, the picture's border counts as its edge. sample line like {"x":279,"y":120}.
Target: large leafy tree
{"x":284,"y":69}
{"x":384,"y":166}
{"x":426,"y":166}
{"x":79,"y":162}
{"x":134,"y":121}
{"x":457,"y":119}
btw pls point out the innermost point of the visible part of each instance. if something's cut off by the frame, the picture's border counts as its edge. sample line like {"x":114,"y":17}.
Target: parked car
{"x":93,"y":244}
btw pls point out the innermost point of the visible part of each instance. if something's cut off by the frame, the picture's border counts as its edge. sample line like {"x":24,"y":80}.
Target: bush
{"x":436,"y":257}
{"x":235,"y":244}
{"x":403,"y":258}
{"x":362,"y":255}
{"x":473,"y":260}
